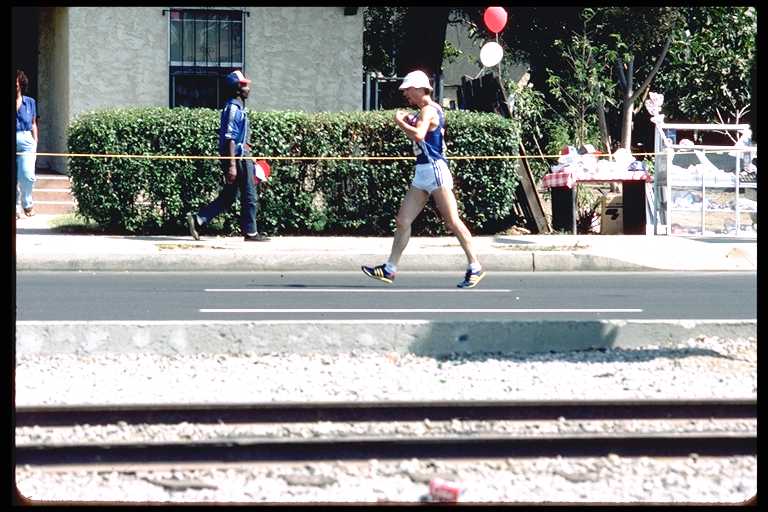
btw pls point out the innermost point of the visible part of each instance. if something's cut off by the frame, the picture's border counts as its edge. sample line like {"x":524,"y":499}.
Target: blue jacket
{"x":234,"y":126}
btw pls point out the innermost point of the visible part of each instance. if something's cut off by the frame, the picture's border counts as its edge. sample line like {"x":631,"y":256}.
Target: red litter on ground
{"x":444,"y":490}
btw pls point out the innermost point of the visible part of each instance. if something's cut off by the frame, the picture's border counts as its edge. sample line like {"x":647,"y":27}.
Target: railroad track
{"x":330,"y":448}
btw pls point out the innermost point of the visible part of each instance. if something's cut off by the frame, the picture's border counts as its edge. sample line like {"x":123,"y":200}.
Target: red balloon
{"x":495,"y":18}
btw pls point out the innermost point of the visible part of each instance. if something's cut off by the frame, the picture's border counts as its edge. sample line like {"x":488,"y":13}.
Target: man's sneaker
{"x":192,"y":225}
{"x":258,"y":237}
{"x":379,"y":273}
{"x":471,"y":279}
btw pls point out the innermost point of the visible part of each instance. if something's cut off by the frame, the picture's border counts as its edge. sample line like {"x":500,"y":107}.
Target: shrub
{"x":339,"y":197}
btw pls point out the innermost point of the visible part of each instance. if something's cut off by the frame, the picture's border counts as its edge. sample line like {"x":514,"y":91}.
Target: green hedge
{"x":330,"y":197}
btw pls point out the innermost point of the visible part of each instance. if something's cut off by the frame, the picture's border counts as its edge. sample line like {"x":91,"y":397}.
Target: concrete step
{"x":52,"y":194}
{"x":44,"y":181}
{"x":54,"y":207}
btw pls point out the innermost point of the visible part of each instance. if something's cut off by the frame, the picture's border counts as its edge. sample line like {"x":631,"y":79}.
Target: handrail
{"x":713,"y":148}
{"x":713,"y":126}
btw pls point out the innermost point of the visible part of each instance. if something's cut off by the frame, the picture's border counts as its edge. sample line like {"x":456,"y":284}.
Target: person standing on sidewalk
{"x":234,"y":135}
{"x":426,"y":130}
{"x":26,"y":142}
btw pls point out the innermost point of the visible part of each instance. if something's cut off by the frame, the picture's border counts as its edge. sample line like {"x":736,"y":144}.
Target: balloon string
{"x":497,"y":42}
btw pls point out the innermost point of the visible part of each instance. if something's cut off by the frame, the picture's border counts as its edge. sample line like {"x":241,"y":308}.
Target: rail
{"x":356,"y":447}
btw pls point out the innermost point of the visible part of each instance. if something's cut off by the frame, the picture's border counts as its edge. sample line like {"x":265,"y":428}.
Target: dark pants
{"x":242,"y":187}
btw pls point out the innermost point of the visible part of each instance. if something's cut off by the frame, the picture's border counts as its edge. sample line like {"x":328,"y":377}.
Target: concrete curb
{"x":40,"y":249}
{"x":518,"y":261}
{"x":419,"y":337}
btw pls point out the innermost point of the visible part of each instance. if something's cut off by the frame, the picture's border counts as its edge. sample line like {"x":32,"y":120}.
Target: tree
{"x":640,"y":38}
{"x":712,"y":67}
{"x":708,"y":68}
{"x":701,"y":58}
{"x":397,"y":40}
{"x":381,"y":38}
{"x":586,"y":90}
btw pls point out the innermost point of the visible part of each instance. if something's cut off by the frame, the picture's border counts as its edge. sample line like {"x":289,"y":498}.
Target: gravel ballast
{"x":605,"y":479}
{"x":697,"y":368}
{"x":704,"y":367}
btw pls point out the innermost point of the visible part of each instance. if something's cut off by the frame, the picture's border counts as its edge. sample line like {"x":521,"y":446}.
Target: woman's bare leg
{"x":449,"y":211}
{"x":411,"y":207}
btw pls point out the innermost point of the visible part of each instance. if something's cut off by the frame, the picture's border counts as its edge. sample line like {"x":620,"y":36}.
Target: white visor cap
{"x":417,"y":79}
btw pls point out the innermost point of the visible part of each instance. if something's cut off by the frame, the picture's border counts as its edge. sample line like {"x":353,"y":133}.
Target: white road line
{"x":380,"y":310}
{"x":355,"y":290}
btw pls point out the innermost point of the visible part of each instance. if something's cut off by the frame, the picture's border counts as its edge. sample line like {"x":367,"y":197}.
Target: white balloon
{"x":491,"y":53}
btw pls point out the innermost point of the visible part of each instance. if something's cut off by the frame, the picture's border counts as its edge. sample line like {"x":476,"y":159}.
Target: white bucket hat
{"x":416,"y":79}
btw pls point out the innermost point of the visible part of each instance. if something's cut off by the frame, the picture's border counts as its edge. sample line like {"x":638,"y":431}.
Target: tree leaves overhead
{"x":638,"y":32}
{"x":712,"y":66}
{"x":397,"y":40}
{"x":709,"y":67}
{"x":383,"y":28}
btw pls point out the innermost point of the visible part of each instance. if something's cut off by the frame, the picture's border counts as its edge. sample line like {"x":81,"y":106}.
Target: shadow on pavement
{"x":601,"y":355}
{"x":499,"y":337}
{"x":563,"y":341}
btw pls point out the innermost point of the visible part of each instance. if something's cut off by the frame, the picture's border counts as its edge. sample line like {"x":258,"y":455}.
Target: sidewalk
{"x":38,"y":247}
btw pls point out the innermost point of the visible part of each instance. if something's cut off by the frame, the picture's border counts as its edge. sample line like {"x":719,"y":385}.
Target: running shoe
{"x":471,"y":279}
{"x":379,"y":273}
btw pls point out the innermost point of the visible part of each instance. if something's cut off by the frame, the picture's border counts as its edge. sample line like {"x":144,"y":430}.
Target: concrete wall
{"x":300,"y":58}
{"x":53,"y":85}
{"x":118,"y":57}
{"x":95,"y":57}
{"x":304,"y":58}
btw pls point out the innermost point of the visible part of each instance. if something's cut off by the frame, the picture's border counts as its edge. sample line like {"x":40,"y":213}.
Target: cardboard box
{"x":611,"y":215}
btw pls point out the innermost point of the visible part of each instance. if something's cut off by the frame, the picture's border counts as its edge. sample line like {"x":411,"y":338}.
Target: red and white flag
{"x":261,"y":171}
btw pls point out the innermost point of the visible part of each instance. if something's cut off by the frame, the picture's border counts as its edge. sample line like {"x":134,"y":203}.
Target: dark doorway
{"x":25,"y":44}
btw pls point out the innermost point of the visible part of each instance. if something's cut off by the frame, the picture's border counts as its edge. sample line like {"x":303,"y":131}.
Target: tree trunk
{"x":626,"y":122}
{"x":606,"y":138}
{"x":627,"y":104}
{"x":631,"y":96}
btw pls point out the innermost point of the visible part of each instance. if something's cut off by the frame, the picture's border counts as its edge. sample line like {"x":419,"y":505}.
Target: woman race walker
{"x":426,"y":130}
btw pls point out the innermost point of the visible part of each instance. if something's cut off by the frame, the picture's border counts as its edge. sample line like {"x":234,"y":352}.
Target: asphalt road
{"x":415,"y":295}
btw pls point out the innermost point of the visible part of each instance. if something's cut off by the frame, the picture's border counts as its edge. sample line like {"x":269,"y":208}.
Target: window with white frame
{"x":204,"y":46}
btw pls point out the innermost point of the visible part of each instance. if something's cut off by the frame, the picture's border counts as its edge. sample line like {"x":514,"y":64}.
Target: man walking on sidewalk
{"x":426,"y":130}
{"x":234,"y":135}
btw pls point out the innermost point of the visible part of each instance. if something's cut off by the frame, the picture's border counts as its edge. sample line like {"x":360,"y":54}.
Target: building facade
{"x":299,"y":58}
